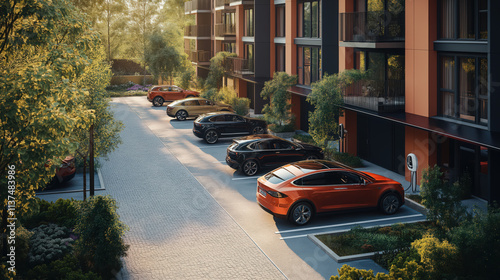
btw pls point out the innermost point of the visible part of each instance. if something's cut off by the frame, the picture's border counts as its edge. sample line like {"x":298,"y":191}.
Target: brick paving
{"x":177,"y":230}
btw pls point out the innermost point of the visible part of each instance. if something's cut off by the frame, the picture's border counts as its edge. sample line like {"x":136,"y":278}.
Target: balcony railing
{"x":221,"y":3}
{"x":197,"y":31}
{"x":199,"y":56}
{"x":222,"y":29}
{"x":237,"y":2}
{"x":376,"y":95}
{"x":196,"y":5}
{"x":240,"y":66}
{"x":372,"y":27}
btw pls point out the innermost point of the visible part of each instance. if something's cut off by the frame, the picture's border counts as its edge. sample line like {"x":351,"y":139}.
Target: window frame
{"x":301,"y":66}
{"x":458,"y":21}
{"x":301,"y":21}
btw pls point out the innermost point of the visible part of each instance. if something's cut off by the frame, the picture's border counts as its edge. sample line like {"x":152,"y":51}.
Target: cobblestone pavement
{"x":177,"y":230}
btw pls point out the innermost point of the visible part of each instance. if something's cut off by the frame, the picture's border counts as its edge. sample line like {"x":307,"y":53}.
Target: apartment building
{"x":433,"y":83}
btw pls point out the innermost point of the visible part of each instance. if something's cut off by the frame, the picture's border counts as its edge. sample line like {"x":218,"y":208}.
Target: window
{"x":309,"y":65}
{"x":218,"y":119}
{"x":464,"y":88}
{"x":249,"y":22}
{"x":191,"y":103}
{"x":249,"y":55}
{"x":309,"y":19}
{"x":280,"y":58}
{"x":463,"y":19}
{"x":322,"y":179}
{"x":280,"y":21}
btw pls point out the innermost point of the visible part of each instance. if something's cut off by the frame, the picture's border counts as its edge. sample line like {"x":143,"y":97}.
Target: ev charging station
{"x":412,"y":165}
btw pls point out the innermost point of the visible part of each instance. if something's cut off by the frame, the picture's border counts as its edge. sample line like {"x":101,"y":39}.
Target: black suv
{"x":213,"y":126}
{"x":251,"y":153}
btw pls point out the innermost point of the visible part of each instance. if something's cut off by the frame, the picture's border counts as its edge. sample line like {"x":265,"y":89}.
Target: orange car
{"x":160,"y":94}
{"x":299,"y":190}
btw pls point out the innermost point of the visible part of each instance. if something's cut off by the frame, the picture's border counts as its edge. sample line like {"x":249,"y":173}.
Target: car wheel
{"x":311,"y":156}
{"x":258,"y":130}
{"x":181,"y":115}
{"x":211,"y":136}
{"x":301,"y":214}
{"x":250,"y":167}
{"x":157,"y":101}
{"x":389,"y":203}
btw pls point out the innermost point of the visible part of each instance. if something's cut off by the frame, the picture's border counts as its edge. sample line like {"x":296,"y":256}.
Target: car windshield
{"x":278,"y":176}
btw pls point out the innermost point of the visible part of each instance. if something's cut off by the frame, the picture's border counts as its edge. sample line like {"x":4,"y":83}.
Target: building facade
{"x":432,"y":89}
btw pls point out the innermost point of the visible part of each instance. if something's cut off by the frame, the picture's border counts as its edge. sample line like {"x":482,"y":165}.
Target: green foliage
{"x":100,"y":245}
{"x":345,"y":158}
{"x":241,"y":105}
{"x":289,"y":127}
{"x":305,"y":138}
{"x":350,"y":273}
{"x":186,"y":76}
{"x":63,"y":212}
{"x":276,"y":90}
{"x":478,"y":241}
{"x":326,"y":97}
{"x":439,"y":258}
{"x":162,"y":57}
{"x":219,"y":64}
{"x":407,"y":265}
{"x":441,"y":199}
{"x":48,"y":243}
{"x":65,"y":268}
{"x":45,"y":50}
{"x":23,"y":237}
{"x":464,"y":184}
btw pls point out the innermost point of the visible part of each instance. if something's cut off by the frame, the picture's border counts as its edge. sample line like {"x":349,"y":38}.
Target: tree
{"x":219,"y":64}
{"x":163,"y":58}
{"x":101,"y":232}
{"x":278,"y":112}
{"x":113,"y":24}
{"x":326,"y":97}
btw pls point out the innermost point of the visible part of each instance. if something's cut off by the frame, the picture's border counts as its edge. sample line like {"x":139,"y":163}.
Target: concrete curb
{"x":415,"y":206}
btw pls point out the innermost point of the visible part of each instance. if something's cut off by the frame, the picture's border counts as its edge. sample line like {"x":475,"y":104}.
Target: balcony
{"x":222,"y":29}
{"x":197,"y":31}
{"x":377,"y":95}
{"x":240,"y":67}
{"x":241,"y":2}
{"x":372,"y":27}
{"x":196,"y":6}
{"x":198,"y":56}
{"x":221,"y":4}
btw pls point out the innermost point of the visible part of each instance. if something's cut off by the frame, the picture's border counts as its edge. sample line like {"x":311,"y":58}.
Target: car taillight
{"x":276,"y":194}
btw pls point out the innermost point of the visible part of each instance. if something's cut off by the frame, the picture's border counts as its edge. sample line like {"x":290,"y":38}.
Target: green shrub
{"x":281,"y":128}
{"x":439,"y":258}
{"x":478,"y":241}
{"x":63,"y":212}
{"x":276,"y":90}
{"x":100,"y":245}
{"x":210,"y":93}
{"x":350,"y":273}
{"x":441,"y":199}
{"x":305,"y":138}
{"x":48,"y":243}
{"x":345,"y":158}
{"x":241,"y":106}
{"x":65,"y":268}
{"x":228,"y":96}
{"x":23,"y":237}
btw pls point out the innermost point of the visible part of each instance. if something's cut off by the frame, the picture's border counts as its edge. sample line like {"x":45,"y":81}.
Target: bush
{"x":441,"y":199}
{"x":350,"y":273}
{"x":63,"y":212}
{"x":100,"y":245}
{"x":241,"y":106}
{"x":65,"y":268}
{"x":439,"y":258}
{"x":281,"y":128}
{"x":305,"y":138}
{"x":48,"y":243}
{"x":345,"y":158}
{"x":276,"y":90}
{"x":228,"y":96}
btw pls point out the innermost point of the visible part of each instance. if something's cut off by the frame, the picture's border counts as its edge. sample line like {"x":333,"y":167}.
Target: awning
{"x":466,"y":133}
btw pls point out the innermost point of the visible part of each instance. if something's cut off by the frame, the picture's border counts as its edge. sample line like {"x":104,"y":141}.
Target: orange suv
{"x":160,"y":94}
{"x":300,"y":190}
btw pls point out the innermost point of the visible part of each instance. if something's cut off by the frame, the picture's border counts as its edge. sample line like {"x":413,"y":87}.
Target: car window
{"x":205,"y":102}
{"x":218,"y":119}
{"x":176,"y":89}
{"x":281,"y":145}
{"x":351,"y":178}
{"x":316,"y":179}
{"x":169,"y":88}
{"x":278,"y":176}
{"x":263,"y":145}
{"x":235,"y":118}
{"x":191,"y":103}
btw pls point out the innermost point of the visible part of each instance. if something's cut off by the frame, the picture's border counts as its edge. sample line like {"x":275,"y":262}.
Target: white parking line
{"x":214,"y":146}
{"x":349,"y":224}
{"x":343,"y":230}
{"x":245,"y":178}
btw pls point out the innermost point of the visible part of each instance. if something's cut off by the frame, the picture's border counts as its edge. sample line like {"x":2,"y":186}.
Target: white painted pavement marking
{"x":245,"y":178}
{"x":214,"y":146}
{"x":343,"y":230}
{"x":349,"y":224}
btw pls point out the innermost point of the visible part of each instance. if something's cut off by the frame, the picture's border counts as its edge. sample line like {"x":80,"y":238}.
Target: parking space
{"x":285,"y":244}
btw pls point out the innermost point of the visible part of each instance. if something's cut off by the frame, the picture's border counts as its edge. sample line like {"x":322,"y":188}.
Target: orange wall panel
{"x":240,"y":30}
{"x":291,"y":33}
{"x":241,"y":88}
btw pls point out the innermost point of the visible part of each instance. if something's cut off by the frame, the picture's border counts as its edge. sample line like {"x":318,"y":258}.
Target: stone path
{"x":177,"y":230}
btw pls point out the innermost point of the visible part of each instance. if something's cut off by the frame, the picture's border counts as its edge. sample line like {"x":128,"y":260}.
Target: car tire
{"x":389,"y":203}
{"x":258,"y":130}
{"x":311,"y":156}
{"x":301,"y":213}
{"x":211,"y":136}
{"x":158,"y":101}
{"x":181,"y":115}
{"x":250,"y":167}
